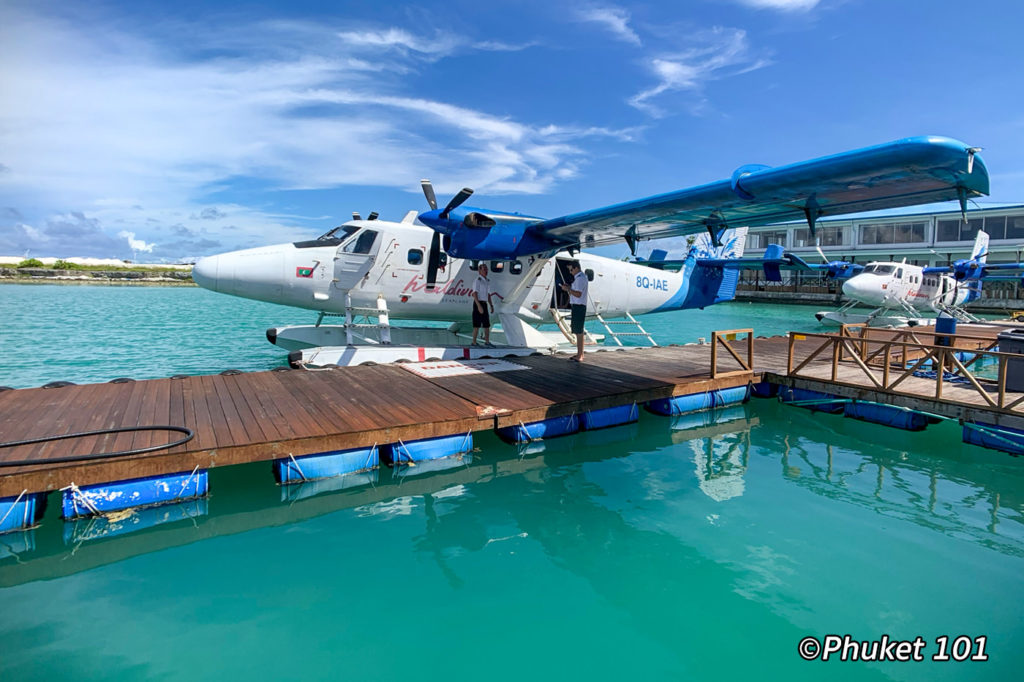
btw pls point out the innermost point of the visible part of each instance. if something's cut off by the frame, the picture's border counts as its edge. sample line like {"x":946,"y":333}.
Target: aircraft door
{"x":559,"y":298}
{"x":355,"y":258}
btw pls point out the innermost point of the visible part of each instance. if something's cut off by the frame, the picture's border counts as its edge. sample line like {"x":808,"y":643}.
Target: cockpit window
{"x":879,"y":269}
{"x":342,"y":232}
{"x":363,"y":243}
{"x":331,"y":238}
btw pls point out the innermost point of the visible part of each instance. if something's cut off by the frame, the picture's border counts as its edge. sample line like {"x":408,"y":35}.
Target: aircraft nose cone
{"x":204,"y":272}
{"x":859,"y":289}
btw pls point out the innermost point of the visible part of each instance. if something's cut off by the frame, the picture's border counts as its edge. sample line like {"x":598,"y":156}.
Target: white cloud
{"x":138,"y":133}
{"x":133,"y":243}
{"x":615,"y":19}
{"x":720,"y":52}
{"x":782,"y":5}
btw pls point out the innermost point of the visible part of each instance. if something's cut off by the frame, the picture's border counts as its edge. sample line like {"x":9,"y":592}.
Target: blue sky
{"x":174,"y":130}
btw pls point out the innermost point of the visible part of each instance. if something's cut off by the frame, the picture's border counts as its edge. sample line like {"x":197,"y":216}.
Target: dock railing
{"x":723,"y":338}
{"x":885,"y":359}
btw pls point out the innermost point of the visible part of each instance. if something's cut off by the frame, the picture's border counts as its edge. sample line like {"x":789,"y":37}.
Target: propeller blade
{"x":428,"y":192}
{"x":373,"y":215}
{"x":355,"y":215}
{"x":456,"y":201}
{"x":432,"y":260}
{"x":820,"y":252}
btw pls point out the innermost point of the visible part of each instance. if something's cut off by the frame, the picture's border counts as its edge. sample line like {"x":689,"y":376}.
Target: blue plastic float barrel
{"x":325,"y":465}
{"x":545,"y":428}
{"x":994,"y":437}
{"x":140,"y":492}
{"x":886,"y":415}
{"x":682,"y":404}
{"x":610,"y":416}
{"x":427,"y":448}
{"x":21,"y":511}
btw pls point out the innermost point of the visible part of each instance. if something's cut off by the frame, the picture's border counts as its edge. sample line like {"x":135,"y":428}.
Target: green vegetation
{"x":31,"y":263}
{"x":65,"y":265}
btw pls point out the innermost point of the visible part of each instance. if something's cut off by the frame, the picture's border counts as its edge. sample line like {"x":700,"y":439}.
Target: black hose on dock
{"x":95,"y":455}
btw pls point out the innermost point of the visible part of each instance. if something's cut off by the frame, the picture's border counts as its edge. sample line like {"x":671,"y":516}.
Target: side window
{"x":415,"y":256}
{"x":590,"y":274}
{"x":497,"y":266}
{"x":363,"y":243}
{"x":515,"y":267}
{"x":474,"y":264}
{"x":442,"y":260}
{"x":899,"y":273}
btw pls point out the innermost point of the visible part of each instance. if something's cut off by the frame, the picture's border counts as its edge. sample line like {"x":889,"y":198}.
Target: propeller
{"x":356,"y":216}
{"x":836,"y":268}
{"x":434,"y":256}
{"x":457,"y":200}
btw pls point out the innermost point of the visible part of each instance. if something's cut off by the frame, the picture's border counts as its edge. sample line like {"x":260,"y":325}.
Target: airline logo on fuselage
{"x":418,"y":285}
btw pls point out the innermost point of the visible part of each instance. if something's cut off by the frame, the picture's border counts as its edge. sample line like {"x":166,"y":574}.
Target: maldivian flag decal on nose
{"x":304,"y":271}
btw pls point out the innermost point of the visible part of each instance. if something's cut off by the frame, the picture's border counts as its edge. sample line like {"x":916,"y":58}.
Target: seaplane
{"x":423,"y":267}
{"x":899,"y":292}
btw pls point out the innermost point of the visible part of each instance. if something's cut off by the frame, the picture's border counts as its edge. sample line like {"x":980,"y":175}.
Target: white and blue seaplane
{"x":423,"y":267}
{"x":899,"y":293}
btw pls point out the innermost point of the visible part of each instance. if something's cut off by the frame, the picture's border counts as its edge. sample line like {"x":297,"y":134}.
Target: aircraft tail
{"x":980,"y":252}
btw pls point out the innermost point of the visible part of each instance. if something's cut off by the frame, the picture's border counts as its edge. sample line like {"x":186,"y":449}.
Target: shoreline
{"x":104,"y":277}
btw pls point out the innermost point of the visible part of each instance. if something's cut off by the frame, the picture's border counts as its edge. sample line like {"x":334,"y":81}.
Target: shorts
{"x":579,"y":316}
{"x":481,"y":319}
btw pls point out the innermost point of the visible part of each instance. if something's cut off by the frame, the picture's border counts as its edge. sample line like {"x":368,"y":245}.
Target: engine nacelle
{"x":500,"y":242}
{"x":968,"y":269}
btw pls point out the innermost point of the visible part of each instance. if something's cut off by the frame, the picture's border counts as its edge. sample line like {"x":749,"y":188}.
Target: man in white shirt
{"x":481,"y":295}
{"x":578,"y":305}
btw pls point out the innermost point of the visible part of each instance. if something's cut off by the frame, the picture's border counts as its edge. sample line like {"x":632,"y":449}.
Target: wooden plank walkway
{"x":269,"y":415}
{"x":262,"y":416}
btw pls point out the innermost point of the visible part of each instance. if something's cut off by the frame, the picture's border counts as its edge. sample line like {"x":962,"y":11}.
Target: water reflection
{"x":633,"y":471}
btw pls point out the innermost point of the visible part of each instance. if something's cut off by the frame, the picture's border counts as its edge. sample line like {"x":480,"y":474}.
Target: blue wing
{"x":914,"y":170}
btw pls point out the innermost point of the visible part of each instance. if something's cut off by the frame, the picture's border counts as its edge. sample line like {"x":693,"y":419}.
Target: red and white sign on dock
{"x":455,"y":368}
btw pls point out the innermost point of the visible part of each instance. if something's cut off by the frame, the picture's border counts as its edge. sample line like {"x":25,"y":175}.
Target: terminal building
{"x":935,"y":238}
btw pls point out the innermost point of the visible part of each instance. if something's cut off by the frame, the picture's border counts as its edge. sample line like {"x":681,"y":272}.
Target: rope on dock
{"x":95,"y":455}
{"x":15,"y":504}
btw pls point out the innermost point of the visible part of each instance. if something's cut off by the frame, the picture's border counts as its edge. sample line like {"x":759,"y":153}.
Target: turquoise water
{"x":669,"y":549}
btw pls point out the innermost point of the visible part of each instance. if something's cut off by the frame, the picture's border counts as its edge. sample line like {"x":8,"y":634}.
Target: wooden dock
{"x":261,"y":416}
{"x":258,"y":416}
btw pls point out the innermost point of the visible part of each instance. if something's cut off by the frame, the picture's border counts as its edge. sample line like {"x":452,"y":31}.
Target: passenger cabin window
{"x":497,"y":266}
{"x":590,"y":274}
{"x":515,"y":267}
{"x":363,"y":243}
{"x":899,"y":274}
{"x":474,"y":264}
{"x":442,"y":260}
{"x":415,"y":256}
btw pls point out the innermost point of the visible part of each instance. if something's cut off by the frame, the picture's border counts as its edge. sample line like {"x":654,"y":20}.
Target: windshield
{"x":342,"y":232}
{"x":879,"y":269}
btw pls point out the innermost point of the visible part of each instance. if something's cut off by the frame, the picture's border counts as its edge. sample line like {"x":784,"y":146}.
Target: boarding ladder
{"x":629,"y":320}
{"x":352,"y":315}
{"x":957,"y":312}
{"x":561,"y":319}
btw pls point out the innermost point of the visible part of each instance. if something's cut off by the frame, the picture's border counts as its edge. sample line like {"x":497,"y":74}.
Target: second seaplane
{"x":422,"y":268}
{"x":899,"y":293}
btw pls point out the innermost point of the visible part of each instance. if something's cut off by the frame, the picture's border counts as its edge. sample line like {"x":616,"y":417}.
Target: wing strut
{"x":631,"y":239}
{"x":812,"y":211}
{"x":716,"y":226}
